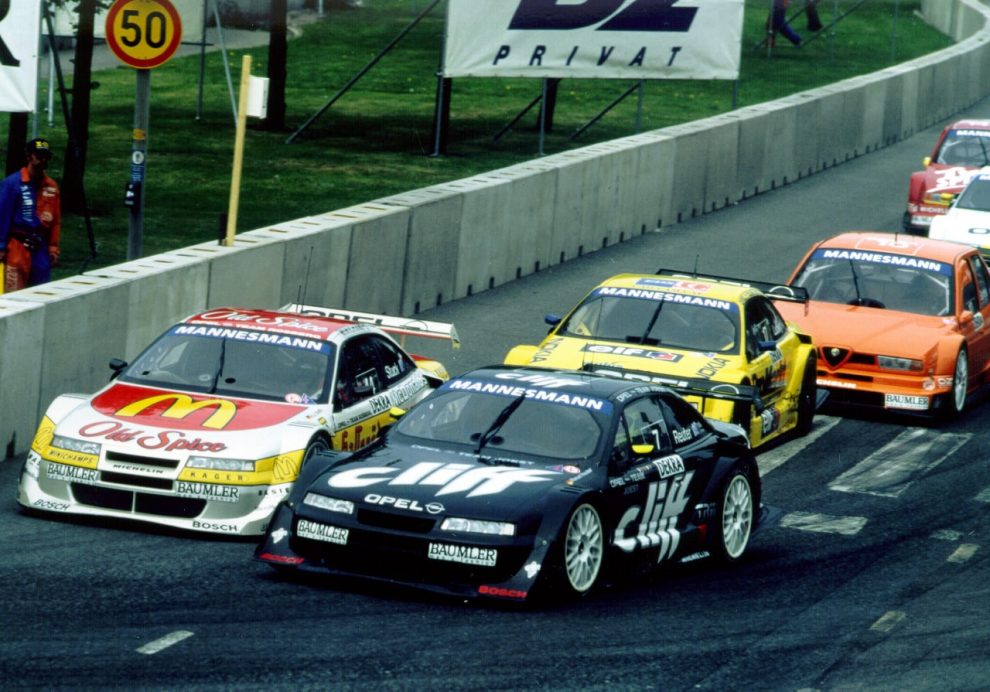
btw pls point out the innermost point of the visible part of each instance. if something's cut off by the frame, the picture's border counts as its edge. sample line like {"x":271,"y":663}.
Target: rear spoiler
{"x":686,"y":386}
{"x":402,"y":326}
{"x":794,"y":294}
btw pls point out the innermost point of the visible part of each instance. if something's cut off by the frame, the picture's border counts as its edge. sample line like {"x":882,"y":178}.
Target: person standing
{"x":777,"y":22}
{"x":30,"y":220}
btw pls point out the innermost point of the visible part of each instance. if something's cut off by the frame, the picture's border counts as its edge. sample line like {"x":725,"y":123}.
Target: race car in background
{"x":901,"y":322}
{"x":968,"y":219}
{"x":719,"y":342}
{"x":207,"y":429}
{"x":961,"y":149}
{"x":509,"y":483}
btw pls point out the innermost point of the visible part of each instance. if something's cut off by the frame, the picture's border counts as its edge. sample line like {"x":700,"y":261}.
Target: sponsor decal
{"x":464,"y":554}
{"x":214,"y":526}
{"x":665,"y":502}
{"x":69,"y":456}
{"x":166,"y":409}
{"x":532,"y":569}
{"x":499,"y":592}
{"x":839,"y":384}
{"x":287,"y":323}
{"x":50,"y":505}
{"x":269,"y":338}
{"x":401,"y":503}
{"x":631,"y":352}
{"x":695,"y":556}
{"x":208,"y":491}
{"x":546,"y":395}
{"x":769,"y":421}
{"x":166,"y":440}
{"x":705,"y":512}
{"x":322,"y":532}
{"x":696,"y":286}
{"x":645,"y":294}
{"x":967,"y":133}
{"x":669,"y":465}
{"x":278,"y":535}
{"x":712,"y":367}
{"x":286,"y":467}
{"x":70,"y":474}
{"x":545,"y":352}
{"x":905,"y":401}
{"x":449,"y":478}
{"x":884,"y":258}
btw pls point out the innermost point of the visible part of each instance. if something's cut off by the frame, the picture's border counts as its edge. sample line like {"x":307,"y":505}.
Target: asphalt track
{"x":867,"y":584}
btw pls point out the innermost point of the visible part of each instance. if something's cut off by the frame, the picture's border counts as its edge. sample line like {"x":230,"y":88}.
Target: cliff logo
{"x":640,"y":15}
{"x":181,"y":406}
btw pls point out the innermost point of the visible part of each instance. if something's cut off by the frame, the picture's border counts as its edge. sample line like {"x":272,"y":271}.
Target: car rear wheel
{"x":735,"y":517}
{"x":807,"y":398}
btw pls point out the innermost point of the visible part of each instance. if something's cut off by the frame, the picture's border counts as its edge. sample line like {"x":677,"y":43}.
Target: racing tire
{"x":807,"y":398}
{"x":580,"y":553}
{"x":955,"y":401}
{"x":318,"y":445}
{"x":735,"y":517}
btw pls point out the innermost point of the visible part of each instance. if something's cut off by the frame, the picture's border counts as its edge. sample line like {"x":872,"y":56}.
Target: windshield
{"x":707,"y":326}
{"x":235,"y":362}
{"x":976,"y":196}
{"x":965,"y":148}
{"x":501,"y":424}
{"x":879,"y":280}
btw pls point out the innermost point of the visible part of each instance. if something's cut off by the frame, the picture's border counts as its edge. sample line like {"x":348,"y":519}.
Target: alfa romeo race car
{"x":511,"y":482}
{"x":968,"y":219}
{"x":962,"y":149}
{"x":719,"y":342}
{"x":206,"y":430}
{"x":901,"y":322}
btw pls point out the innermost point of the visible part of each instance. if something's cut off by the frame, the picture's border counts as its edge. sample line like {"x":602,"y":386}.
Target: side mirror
{"x":117,"y":365}
{"x":642,"y":450}
{"x":926,"y":162}
{"x":766,"y":346}
{"x":965,"y":318}
{"x":552,"y":320}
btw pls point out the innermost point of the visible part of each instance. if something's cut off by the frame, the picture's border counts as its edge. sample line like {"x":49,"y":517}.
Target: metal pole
{"x":139,"y":157}
{"x":893,"y":33}
{"x":202,"y":62}
{"x":226,"y":64}
{"x":770,"y":31}
{"x":639,"y":108}
{"x":543,"y":116}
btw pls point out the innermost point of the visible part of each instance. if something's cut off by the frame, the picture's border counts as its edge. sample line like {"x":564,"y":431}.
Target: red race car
{"x":961,"y":149}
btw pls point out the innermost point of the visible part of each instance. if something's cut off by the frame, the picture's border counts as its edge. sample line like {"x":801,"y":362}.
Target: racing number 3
{"x":155,"y":29}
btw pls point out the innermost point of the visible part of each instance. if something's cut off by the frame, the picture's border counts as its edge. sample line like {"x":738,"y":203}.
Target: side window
{"x":357,"y":377}
{"x":642,"y":423}
{"x":970,"y":301}
{"x":684,"y":423}
{"x":395,"y":363}
{"x":982,"y":283}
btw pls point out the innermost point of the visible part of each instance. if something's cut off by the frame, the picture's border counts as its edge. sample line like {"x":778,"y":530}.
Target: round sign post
{"x":143,"y":34}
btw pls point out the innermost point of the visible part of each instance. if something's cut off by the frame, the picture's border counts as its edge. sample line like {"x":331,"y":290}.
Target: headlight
{"x":73,"y":445}
{"x":491,"y":528}
{"x":892,"y":363}
{"x":220,"y":464}
{"x":330,"y":504}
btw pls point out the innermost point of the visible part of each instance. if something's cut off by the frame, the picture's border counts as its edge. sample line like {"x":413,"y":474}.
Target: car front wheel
{"x":960,"y":384}
{"x":735,"y":517}
{"x":583,"y":550}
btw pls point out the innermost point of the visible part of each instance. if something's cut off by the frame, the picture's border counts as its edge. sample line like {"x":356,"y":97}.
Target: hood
{"x":570,"y":353}
{"x":868,"y":330}
{"x":142,"y":419}
{"x":434,"y":481}
{"x":969,"y":226}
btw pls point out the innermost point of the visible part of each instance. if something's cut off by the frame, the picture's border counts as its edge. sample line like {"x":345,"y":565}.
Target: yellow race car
{"x":719,"y":342}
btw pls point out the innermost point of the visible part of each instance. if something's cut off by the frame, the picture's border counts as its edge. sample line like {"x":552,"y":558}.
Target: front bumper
{"x":894,"y":392}
{"x":206,"y":507}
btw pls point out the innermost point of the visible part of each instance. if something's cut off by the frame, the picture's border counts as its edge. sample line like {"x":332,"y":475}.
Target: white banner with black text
{"x":609,"y":39}
{"x":19,"y":24}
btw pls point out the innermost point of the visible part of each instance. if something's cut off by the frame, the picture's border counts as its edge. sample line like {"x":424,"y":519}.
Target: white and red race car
{"x":208,"y":428}
{"x":962,"y":149}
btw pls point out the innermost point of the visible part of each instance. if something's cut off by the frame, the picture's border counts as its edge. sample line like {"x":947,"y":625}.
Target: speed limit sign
{"x":143,"y":33}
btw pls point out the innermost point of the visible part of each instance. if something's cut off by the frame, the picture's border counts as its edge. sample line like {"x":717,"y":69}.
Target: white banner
{"x":19,"y":25}
{"x":612,"y":39}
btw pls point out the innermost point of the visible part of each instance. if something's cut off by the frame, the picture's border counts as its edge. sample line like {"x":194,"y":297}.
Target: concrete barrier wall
{"x":407,"y":253}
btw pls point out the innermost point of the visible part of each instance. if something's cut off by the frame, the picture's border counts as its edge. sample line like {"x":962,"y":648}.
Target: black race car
{"x":514,"y":482}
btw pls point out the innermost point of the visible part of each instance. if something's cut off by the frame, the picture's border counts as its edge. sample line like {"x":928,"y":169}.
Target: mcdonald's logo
{"x":183,"y":406}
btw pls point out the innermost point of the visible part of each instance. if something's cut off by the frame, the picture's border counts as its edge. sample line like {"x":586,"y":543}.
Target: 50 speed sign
{"x":143,"y":33}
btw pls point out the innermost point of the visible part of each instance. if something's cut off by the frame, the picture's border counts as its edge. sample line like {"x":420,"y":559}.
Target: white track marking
{"x":984,"y":495}
{"x":823,"y":523}
{"x":891,"y":469}
{"x":768,"y":461}
{"x":165,"y":642}
{"x":888,"y":621}
{"x":946,"y":535}
{"x":963,"y":553}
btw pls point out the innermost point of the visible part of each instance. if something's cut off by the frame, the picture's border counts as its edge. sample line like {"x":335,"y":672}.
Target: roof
{"x":970,"y":125}
{"x":315,"y":327}
{"x":684,"y":284}
{"x":897,"y":244}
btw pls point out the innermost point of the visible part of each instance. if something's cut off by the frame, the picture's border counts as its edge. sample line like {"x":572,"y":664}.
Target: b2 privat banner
{"x":19,"y":23}
{"x":609,"y":39}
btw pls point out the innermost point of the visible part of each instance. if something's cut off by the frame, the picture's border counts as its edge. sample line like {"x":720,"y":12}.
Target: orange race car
{"x":900,"y":322}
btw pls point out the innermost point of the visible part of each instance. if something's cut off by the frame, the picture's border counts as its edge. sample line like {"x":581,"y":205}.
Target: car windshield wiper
{"x":645,"y":339}
{"x":219,"y":370}
{"x":487,"y":436}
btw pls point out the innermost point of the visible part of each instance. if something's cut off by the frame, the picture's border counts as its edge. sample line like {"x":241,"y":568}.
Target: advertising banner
{"x":607,"y":39}
{"x":19,"y":25}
